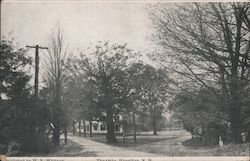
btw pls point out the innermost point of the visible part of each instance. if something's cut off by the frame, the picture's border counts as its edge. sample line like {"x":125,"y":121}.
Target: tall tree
{"x":81,"y":95}
{"x":208,"y":43}
{"x":105,"y":69}
{"x":89,"y":105}
{"x":55,"y":63}
{"x":148,"y":90}
{"x":72,"y":93}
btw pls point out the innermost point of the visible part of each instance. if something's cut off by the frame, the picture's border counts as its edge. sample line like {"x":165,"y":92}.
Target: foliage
{"x":149,"y":89}
{"x":12,"y":64}
{"x":103,"y":71}
{"x":200,"y":113}
{"x":208,"y":46}
{"x":21,"y":114}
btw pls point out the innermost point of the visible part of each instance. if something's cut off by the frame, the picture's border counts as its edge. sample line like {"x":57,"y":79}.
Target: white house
{"x":99,"y":126}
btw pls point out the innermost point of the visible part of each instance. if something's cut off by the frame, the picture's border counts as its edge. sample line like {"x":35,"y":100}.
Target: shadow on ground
{"x":142,"y":139}
{"x":194,"y":143}
{"x":71,"y":149}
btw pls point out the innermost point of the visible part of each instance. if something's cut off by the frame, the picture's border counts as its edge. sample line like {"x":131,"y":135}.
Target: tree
{"x":13,"y":80}
{"x":55,"y":64}
{"x":81,"y":96}
{"x":199,"y":112}
{"x":208,"y":44}
{"x":21,"y":114}
{"x":104,"y":68}
{"x":72,"y":93}
{"x":246,"y":113}
{"x":148,"y":88}
{"x":12,"y":63}
{"x":89,"y":105}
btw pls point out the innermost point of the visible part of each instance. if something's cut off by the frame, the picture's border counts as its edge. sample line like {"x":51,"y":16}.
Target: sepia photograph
{"x":124,"y":80}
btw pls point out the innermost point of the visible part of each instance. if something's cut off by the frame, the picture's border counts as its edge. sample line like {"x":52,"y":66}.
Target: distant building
{"x":99,"y":126}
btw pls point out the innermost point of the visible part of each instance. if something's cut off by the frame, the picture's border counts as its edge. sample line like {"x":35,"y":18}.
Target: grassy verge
{"x":179,"y":150}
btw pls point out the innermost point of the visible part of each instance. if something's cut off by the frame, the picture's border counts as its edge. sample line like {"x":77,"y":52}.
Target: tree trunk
{"x":90,"y":128}
{"x":79,"y":128}
{"x":57,"y":125}
{"x":235,"y":125}
{"x":65,"y":135}
{"x":57,"y":113}
{"x":154,"y":124}
{"x":124,"y":124}
{"x":235,"y":106}
{"x":74,"y":128}
{"x":134,"y":128}
{"x":110,"y":127}
{"x":84,"y":129}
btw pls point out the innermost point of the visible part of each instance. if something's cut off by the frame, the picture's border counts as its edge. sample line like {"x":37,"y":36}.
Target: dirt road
{"x":168,"y":143}
{"x":104,"y":150}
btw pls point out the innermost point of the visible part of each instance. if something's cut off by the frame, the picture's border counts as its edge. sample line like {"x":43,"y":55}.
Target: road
{"x":171,"y":144}
{"x":104,"y":150}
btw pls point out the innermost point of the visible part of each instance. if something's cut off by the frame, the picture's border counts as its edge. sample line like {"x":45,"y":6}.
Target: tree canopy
{"x":207,"y":44}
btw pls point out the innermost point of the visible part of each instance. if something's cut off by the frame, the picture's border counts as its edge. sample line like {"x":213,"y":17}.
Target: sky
{"x":84,"y":23}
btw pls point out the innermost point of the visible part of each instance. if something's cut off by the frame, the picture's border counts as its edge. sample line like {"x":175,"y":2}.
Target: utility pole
{"x":37,"y":47}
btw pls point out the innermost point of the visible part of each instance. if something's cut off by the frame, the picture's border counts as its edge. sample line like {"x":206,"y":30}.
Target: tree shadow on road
{"x":129,"y":142}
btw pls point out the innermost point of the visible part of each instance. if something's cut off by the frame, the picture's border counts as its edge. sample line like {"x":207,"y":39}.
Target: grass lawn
{"x":179,"y":150}
{"x":170,"y":143}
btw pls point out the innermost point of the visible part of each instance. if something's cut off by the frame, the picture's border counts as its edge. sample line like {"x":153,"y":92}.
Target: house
{"x":99,"y":126}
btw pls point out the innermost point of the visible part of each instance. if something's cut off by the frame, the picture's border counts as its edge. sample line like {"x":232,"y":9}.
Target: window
{"x":103,"y":127}
{"x":95,"y":127}
{"x":87,"y":127}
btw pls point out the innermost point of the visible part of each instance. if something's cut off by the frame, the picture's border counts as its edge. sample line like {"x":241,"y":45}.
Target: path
{"x":104,"y":150}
